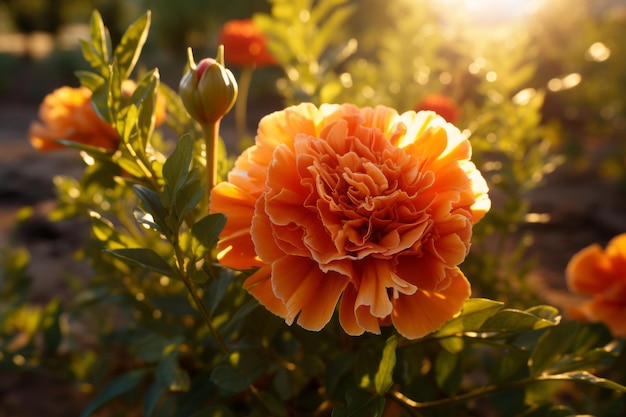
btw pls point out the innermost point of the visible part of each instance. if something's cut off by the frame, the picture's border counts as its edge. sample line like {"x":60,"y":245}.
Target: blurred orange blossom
{"x":440,"y":104}
{"x":362,"y":207}
{"x":602,"y":275}
{"x":68,"y":114}
{"x":244,"y":44}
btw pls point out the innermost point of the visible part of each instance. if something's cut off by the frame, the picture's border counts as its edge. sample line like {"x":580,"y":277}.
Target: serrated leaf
{"x":146,"y":258}
{"x":238,"y":370}
{"x":128,"y":50}
{"x":118,"y":386}
{"x":383,"y":380}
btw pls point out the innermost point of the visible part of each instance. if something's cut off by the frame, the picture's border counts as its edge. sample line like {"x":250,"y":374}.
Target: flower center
{"x":368,"y":193}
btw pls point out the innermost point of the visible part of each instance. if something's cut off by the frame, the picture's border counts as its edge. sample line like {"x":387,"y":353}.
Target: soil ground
{"x":582,"y":210}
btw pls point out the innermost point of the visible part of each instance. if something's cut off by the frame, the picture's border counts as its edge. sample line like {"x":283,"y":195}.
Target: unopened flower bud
{"x":208,"y":90}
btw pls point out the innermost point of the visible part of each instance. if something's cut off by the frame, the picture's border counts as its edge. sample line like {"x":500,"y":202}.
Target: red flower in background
{"x":602,"y":275}
{"x":440,"y":104}
{"x":244,"y":44}
{"x":365,"y":208}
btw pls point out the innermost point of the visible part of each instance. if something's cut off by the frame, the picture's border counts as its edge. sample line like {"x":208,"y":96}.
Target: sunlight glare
{"x":498,"y":11}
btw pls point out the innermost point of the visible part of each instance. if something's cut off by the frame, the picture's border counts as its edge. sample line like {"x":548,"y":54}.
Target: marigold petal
{"x":347,"y":315}
{"x":616,"y":252}
{"x":259,"y":285}
{"x":599,"y":310}
{"x":417,"y":315}
{"x":263,"y":235}
{"x":588,"y":271}
{"x":306,"y":290}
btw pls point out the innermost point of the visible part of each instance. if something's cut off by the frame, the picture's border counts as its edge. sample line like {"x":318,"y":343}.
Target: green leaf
{"x":144,"y":97}
{"x":170,"y":374}
{"x":509,"y":320}
{"x":96,"y":50}
{"x":89,"y":79}
{"x":360,"y":403}
{"x":152,"y":397}
{"x":146,"y":258}
{"x":152,"y":203}
{"x":448,"y":371}
{"x":549,"y":313}
{"x":217,"y":289}
{"x":551,"y":346}
{"x":176,"y":168}
{"x":188,"y":197}
{"x":114,"y":94}
{"x":473,"y":315}
{"x":383,"y":380}
{"x":206,"y":231}
{"x":274,"y":405}
{"x":120,"y":385}
{"x":51,"y":327}
{"x":128,"y":50}
{"x":238,"y":370}
{"x":586,"y":378}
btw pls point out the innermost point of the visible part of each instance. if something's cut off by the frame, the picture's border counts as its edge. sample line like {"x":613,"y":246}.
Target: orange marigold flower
{"x":67,"y":113}
{"x":440,"y":104}
{"x":362,"y":207}
{"x":602,"y":275}
{"x":244,"y":44}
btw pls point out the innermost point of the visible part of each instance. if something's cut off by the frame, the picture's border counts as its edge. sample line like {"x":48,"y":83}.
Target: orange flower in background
{"x":602,"y":275}
{"x":244,"y":44}
{"x":440,"y":104}
{"x":364,"y":208}
{"x":67,"y":113}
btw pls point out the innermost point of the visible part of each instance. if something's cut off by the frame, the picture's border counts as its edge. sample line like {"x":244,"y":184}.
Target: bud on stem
{"x":208,"y":91}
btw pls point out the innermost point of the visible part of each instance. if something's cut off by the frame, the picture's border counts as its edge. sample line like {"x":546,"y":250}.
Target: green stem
{"x":193,"y":291}
{"x":241,"y":104}
{"x":413,"y":406}
{"x":211,"y":134}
